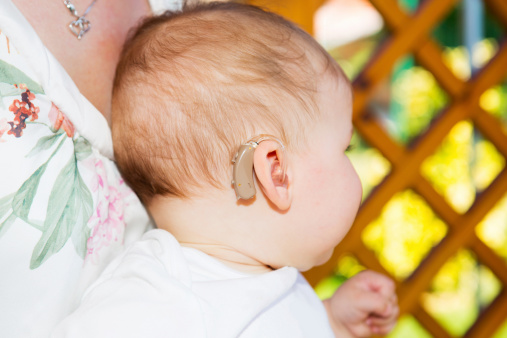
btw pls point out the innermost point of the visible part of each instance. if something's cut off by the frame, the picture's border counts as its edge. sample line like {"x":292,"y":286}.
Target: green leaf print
{"x":12,"y":75}
{"x":5,"y":205}
{"x":7,"y":89}
{"x":81,"y":231}
{"x":23,"y":199}
{"x":82,"y":148}
{"x":45,"y":143}
{"x":5,"y":224}
{"x":6,"y":215}
{"x":69,"y":208}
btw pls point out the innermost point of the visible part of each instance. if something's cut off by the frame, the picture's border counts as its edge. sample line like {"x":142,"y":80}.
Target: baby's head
{"x":191,"y":87}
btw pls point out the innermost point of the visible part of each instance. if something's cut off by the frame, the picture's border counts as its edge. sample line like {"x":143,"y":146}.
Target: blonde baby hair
{"x":192,"y":86}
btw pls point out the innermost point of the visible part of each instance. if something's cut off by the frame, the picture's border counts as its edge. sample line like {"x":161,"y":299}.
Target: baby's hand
{"x":364,"y":305}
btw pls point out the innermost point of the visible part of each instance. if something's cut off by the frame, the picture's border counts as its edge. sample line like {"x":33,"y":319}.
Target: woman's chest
{"x":91,"y":60}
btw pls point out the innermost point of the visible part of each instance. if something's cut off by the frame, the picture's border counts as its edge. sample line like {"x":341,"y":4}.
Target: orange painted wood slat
{"x":493,"y":73}
{"x":376,"y":136}
{"x":492,"y":130}
{"x":429,"y":55}
{"x":458,"y":237}
{"x":490,"y":320}
{"x":437,"y":203}
{"x":488,"y":257}
{"x":402,"y":42}
{"x":499,"y":9}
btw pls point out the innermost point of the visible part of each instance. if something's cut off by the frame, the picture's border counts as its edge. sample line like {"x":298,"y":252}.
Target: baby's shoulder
{"x":149,"y":285}
{"x":155,"y":258}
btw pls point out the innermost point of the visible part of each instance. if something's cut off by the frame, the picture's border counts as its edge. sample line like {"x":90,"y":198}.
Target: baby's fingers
{"x":382,"y":329}
{"x":391,"y":307}
{"x":379,"y":321}
{"x":384,"y":324}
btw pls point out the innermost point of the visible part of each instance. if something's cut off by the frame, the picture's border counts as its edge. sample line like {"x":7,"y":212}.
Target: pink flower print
{"x":59,"y":120}
{"x":21,"y":86}
{"x":4,"y":126}
{"x":108,"y":217}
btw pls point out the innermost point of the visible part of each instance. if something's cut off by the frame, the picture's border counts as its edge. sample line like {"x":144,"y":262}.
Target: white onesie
{"x":158,"y":288}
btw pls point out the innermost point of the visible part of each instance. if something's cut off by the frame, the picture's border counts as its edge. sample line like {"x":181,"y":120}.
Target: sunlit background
{"x":463,"y":165}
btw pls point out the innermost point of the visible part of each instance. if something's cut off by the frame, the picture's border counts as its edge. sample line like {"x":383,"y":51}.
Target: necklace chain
{"x":81,"y":25}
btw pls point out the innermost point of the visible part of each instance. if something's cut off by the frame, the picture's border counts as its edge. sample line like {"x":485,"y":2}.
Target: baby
{"x":195,"y":90}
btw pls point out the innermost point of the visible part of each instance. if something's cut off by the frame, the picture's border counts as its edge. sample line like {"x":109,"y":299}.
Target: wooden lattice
{"x":412,"y":34}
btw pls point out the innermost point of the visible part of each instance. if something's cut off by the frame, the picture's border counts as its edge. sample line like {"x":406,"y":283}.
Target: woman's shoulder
{"x":63,"y":203}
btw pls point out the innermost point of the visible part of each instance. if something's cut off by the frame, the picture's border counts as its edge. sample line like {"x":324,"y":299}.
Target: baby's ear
{"x":273,"y":173}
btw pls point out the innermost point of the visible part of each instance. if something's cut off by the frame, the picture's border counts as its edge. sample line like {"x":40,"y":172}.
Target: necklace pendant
{"x":79,"y":27}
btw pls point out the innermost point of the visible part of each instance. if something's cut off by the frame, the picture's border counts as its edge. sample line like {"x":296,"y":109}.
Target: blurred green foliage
{"x":465,"y":164}
{"x":416,"y":98}
{"x":404,"y":233}
{"x":493,"y":228}
{"x":347,"y":267}
{"x":369,"y":164}
{"x":459,"y":291}
{"x":409,"y":327}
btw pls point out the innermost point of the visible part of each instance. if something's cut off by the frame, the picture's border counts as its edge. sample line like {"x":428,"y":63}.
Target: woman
{"x":64,"y":209}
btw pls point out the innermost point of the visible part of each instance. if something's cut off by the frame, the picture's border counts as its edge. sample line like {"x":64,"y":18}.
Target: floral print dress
{"x":65,"y":212}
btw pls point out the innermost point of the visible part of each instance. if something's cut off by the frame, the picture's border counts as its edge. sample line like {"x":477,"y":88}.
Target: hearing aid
{"x":243,"y":169}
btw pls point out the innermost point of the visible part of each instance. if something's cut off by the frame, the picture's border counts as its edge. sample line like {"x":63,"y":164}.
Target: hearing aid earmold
{"x":243,"y":168}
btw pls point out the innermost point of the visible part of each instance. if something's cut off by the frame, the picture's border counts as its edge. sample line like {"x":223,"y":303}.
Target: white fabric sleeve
{"x":160,"y":6}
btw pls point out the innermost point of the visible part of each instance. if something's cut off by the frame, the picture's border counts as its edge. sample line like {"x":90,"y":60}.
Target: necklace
{"x":81,"y":25}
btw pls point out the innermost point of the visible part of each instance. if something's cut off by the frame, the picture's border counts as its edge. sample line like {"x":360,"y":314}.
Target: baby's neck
{"x":230,"y":257}
{"x":216,"y":226}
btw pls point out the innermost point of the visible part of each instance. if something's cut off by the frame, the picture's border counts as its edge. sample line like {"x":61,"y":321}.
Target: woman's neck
{"x":91,"y":61}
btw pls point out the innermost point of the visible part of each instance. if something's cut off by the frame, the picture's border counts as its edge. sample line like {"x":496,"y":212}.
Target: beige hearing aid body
{"x":243,"y":170}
